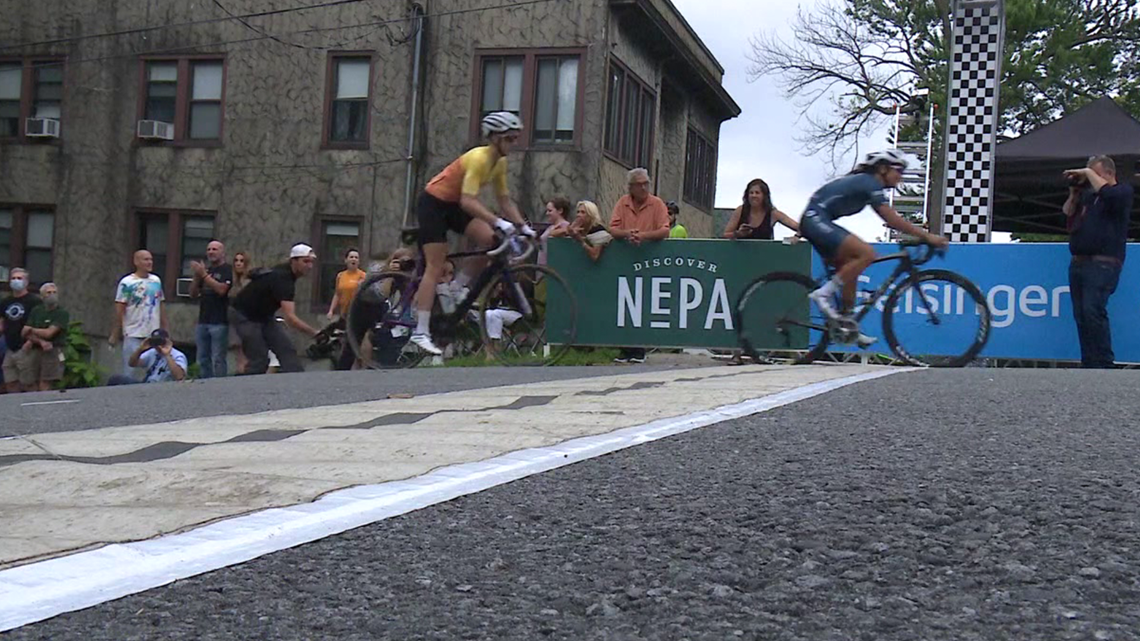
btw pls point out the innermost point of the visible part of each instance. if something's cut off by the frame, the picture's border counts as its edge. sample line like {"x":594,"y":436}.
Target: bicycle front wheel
{"x":777,"y":323}
{"x":528,"y":316}
{"x":936,"y":318}
{"x":380,"y":322}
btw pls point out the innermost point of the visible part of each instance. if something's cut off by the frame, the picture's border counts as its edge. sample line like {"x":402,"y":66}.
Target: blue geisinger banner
{"x":1027,"y":288}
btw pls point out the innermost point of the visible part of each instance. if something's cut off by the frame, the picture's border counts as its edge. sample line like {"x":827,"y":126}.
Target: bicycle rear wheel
{"x":776,"y":322}
{"x":936,"y":318}
{"x":380,"y":322}
{"x":528,"y":316}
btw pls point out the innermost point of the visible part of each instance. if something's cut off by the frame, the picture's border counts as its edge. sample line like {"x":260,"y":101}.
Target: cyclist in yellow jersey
{"x":451,"y":202}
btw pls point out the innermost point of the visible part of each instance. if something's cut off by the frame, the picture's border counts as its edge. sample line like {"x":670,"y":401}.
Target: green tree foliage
{"x":864,"y":57}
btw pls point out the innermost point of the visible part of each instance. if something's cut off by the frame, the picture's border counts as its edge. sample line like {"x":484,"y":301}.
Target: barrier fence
{"x":682,"y":293}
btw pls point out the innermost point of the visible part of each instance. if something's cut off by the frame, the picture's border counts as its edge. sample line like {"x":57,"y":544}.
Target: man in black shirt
{"x":14,"y":311}
{"x":256,"y":306}
{"x":212,"y":284}
{"x":1098,"y":211}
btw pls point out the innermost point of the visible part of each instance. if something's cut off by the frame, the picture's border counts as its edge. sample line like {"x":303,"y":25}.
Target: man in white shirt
{"x":138,"y":308}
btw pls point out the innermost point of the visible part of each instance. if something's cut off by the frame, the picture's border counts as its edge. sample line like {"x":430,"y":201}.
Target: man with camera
{"x":157,"y":355}
{"x":1098,"y":210}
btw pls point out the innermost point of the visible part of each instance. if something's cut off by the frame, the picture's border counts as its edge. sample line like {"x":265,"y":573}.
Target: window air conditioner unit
{"x":41,"y":128}
{"x":182,"y":287}
{"x":155,"y":130}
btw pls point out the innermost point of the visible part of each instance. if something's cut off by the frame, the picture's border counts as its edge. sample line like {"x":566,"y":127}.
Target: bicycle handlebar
{"x":529,"y":245}
{"x":922,"y":257}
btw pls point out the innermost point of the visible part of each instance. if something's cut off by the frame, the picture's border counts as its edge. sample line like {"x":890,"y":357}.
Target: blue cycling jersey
{"x":847,"y":195}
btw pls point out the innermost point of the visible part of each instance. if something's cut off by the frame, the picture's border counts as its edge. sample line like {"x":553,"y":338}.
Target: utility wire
{"x":183,"y":48}
{"x":263,"y":35}
{"x":288,"y":43}
{"x":191,"y":23}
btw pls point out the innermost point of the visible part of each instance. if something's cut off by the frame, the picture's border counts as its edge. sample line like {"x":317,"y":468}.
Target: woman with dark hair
{"x":755,"y":218}
{"x":346,"y":283}
{"x":557,"y":217}
{"x":846,"y":252}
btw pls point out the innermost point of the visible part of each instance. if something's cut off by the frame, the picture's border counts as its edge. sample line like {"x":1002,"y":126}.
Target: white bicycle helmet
{"x":892,"y":157}
{"x":499,"y":122}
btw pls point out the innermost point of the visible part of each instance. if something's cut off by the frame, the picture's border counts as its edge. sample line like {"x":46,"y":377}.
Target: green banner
{"x":673,"y":293}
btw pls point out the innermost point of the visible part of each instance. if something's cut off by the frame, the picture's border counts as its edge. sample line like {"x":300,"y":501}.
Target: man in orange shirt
{"x":638,"y":216}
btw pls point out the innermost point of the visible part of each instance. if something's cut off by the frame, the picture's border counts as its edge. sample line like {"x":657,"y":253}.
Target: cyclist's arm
{"x":894,"y":221}
{"x":785,"y":220}
{"x":475,"y":207}
{"x":508,"y":207}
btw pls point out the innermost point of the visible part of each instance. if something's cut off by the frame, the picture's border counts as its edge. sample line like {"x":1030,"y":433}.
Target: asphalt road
{"x":44,"y":412}
{"x":969,"y":504}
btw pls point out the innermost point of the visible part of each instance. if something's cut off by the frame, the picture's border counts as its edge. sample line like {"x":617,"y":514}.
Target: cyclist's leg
{"x":848,"y":253}
{"x":481,"y":235}
{"x":431,"y":213}
{"x":852,"y":258}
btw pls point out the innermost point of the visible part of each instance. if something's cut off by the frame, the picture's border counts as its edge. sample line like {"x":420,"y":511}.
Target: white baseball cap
{"x":301,"y":250}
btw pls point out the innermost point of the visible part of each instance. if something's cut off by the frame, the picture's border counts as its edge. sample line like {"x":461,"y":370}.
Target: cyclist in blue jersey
{"x":849,"y":254}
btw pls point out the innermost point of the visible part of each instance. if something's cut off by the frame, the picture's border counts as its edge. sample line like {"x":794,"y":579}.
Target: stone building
{"x":142,"y":123}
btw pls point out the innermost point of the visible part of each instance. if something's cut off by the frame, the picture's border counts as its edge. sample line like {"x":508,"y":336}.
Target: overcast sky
{"x":760,"y":143}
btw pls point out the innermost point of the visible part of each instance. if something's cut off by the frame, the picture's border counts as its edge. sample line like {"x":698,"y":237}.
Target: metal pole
{"x":929,"y":161}
{"x":418,"y":11}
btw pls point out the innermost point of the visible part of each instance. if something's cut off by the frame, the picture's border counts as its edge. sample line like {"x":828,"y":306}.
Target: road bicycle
{"x":503,"y":317}
{"x":930,"y":317}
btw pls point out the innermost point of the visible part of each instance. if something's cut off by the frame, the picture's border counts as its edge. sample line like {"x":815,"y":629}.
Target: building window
{"x":556,"y":100}
{"x":206,"y":100}
{"x":337,"y":237}
{"x":349,"y":99}
{"x":502,"y":85}
{"x":26,"y":238}
{"x":543,"y":87}
{"x":161,"y":91}
{"x":631,"y":109}
{"x":29,"y":88}
{"x":700,"y":171}
{"x":188,"y":93}
{"x":173,"y":240}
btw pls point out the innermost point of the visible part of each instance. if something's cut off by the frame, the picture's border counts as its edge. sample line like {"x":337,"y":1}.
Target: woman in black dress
{"x":756,"y":216}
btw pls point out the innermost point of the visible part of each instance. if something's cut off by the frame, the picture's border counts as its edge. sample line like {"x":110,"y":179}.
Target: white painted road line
{"x":48,"y":403}
{"x":39,"y":591}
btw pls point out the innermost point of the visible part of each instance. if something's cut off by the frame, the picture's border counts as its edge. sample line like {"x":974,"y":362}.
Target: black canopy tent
{"x":1029,"y":188}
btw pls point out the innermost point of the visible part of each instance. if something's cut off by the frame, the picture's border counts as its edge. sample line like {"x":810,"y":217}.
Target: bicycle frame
{"x":906,"y":266}
{"x":451,"y":320}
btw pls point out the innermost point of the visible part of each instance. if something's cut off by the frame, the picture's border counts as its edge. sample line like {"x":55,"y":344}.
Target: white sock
{"x":831,"y":287}
{"x":423,"y":322}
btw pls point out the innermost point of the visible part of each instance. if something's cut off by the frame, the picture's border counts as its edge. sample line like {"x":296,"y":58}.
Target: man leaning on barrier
{"x":639,"y":216}
{"x":1098,"y":210}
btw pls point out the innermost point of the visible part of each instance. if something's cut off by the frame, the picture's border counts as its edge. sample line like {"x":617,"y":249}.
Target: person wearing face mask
{"x":14,"y":312}
{"x":42,"y":361}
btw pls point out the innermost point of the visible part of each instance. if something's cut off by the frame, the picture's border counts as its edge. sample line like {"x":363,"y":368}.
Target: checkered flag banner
{"x":972,"y":119}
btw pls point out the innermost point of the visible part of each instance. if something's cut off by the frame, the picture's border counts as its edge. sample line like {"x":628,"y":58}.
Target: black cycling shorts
{"x":436,"y":217}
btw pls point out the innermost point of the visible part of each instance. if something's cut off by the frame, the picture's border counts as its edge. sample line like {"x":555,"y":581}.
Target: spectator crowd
{"x":246,"y":311}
